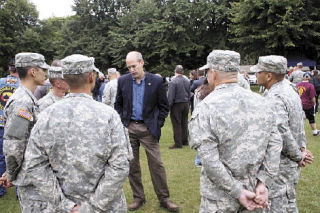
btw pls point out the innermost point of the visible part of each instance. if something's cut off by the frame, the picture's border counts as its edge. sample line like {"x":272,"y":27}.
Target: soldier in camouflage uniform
{"x":20,"y":113}
{"x":7,"y":87}
{"x":270,"y":72}
{"x":110,"y":90}
{"x":234,"y":132}
{"x":59,"y":88}
{"x":74,"y":159}
{"x":242,"y":81}
{"x":297,"y":75}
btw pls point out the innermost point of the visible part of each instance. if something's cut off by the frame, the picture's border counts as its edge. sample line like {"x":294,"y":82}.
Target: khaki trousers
{"x":139,"y":134}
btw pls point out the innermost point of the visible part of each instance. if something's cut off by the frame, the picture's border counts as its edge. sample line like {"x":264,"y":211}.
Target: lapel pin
{"x":149,"y":84}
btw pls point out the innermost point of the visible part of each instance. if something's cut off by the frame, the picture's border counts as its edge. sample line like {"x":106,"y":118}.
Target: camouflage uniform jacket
{"x":286,"y":92}
{"x":48,"y":100}
{"x":110,"y":93}
{"x":234,"y":132}
{"x":296,"y":76}
{"x":242,"y":81}
{"x":76,"y":157}
{"x":290,"y":122}
{"x":20,"y":114}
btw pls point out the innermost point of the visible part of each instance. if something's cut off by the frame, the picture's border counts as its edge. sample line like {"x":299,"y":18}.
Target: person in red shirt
{"x":308,"y":94}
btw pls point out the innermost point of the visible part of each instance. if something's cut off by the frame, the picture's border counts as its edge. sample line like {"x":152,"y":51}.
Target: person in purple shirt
{"x":308,"y":94}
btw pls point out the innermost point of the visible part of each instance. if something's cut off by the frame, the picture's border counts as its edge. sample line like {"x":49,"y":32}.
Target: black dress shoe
{"x":136,"y":204}
{"x":169,"y":205}
{"x":175,"y":147}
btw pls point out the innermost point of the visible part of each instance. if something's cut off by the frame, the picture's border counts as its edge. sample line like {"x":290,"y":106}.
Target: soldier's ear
{"x":32,"y":71}
{"x":92,"y":77}
{"x":269,"y":76}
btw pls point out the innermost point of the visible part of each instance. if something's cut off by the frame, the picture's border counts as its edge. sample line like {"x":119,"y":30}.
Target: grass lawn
{"x":183,"y":179}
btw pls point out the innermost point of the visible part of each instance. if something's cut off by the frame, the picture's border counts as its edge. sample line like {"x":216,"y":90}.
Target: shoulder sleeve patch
{"x":25,"y":114}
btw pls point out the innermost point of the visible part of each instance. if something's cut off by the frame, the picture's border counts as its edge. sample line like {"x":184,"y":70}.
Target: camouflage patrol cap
{"x":55,"y":72}
{"x":78,"y":64}
{"x":223,"y":61}
{"x":30,"y":60}
{"x":271,"y":63}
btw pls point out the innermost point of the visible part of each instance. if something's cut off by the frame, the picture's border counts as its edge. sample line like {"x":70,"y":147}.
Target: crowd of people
{"x":62,"y":157}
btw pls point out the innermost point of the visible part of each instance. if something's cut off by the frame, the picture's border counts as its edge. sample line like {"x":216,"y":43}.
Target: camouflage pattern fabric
{"x":77,"y":64}
{"x":296,"y":76}
{"x":78,"y":153}
{"x":48,"y":100}
{"x":290,"y":123}
{"x":30,"y":60}
{"x":20,"y":114}
{"x":223,"y":205}
{"x":234,"y":132}
{"x":223,"y":60}
{"x":55,"y":72}
{"x":271,"y":63}
{"x":110,"y":93}
{"x":243,"y":82}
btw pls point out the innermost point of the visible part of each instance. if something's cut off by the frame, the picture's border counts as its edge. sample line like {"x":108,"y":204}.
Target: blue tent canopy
{"x":306,"y":62}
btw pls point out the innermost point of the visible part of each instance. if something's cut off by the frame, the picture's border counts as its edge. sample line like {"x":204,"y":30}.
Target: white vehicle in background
{"x":252,"y":78}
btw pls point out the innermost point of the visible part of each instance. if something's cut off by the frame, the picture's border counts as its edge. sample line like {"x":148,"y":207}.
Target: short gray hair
{"x":139,"y":56}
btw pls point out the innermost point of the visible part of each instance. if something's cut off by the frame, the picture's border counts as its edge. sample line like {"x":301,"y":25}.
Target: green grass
{"x":183,"y":179}
{"x":255,"y":88}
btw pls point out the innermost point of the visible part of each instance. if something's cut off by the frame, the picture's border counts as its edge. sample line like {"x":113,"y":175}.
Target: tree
{"x":170,"y":32}
{"x":268,"y":27}
{"x":16,"y":16}
{"x":311,"y":45}
{"x":87,"y":31}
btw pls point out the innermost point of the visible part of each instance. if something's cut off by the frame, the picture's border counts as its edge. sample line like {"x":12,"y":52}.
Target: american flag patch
{"x":25,"y":114}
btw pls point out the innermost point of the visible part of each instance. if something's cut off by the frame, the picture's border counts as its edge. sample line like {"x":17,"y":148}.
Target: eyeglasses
{"x":132,"y":66}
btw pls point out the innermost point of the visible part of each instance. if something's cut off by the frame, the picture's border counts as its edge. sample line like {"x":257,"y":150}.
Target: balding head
{"x":135,"y":64}
{"x":134,"y":55}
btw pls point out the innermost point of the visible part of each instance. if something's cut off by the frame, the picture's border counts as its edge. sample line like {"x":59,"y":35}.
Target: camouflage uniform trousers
{"x":291,"y":191}
{"x":30,"y":202}
{"x":277,"y":204}
{"x":223,"y":205}
{"x":119,"y":205}
{"x":287,"y":203}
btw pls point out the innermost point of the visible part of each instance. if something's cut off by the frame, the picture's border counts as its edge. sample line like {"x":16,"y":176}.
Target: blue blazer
{"x":155,"y":105}
{"x":197,"y":83}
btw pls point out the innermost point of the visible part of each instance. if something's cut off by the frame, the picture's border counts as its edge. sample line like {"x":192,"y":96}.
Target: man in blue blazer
{"x":143,"y":106}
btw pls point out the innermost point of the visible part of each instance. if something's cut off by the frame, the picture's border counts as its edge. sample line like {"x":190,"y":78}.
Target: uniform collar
{"x":84,"y":95}
{"x":34,"y":99}
{"x":274,"y":86}
{"x":221,"y":86}
{"x":54,"y":96}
